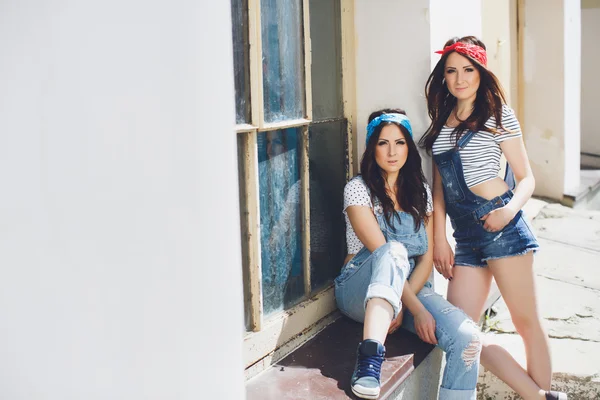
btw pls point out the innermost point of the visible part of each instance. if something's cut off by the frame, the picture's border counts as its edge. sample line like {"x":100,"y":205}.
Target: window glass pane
{"x":280,"y":218}
{"x":325,"y":33}
{"x":327,"y":179}
{"x":241,"y":60}
{"x":283,"y":59}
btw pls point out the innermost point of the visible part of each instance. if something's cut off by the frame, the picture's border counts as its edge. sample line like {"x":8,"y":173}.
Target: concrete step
{"x":321,"y":368}
{"x":587,"y":195}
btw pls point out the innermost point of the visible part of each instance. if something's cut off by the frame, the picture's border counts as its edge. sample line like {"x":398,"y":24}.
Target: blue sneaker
{"x":367,"y":371}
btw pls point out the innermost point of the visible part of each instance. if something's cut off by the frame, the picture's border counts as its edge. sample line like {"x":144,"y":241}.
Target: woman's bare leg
{"x":468,"y":290}
{"x":378,"y":317}
{"x":515,"y":278}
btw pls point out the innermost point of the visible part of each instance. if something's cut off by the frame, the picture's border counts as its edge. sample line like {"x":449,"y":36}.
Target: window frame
{"x":270,"y":338}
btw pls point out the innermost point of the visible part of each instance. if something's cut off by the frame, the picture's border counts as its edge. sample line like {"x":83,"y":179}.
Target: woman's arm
{"x":424,"y":321}
{"x":439,"y":206}
{"x":365,"y":227}
{"x":516,"y":155}
{"x":424,"y":265}
{"x":443,"y":256}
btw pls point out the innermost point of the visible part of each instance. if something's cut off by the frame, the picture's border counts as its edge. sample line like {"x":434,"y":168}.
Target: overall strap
{"x":509,"y":177}
{"x":465,"y":139}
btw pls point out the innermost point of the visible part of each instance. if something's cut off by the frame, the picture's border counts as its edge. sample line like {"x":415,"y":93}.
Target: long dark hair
{"x":440,"y":102}
{"x":411,"y":194}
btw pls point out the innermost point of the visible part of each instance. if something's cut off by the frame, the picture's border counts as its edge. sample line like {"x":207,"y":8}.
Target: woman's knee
{"x":527,"y":325}
{"x":469,"y":341}
{"x":395,"y":250}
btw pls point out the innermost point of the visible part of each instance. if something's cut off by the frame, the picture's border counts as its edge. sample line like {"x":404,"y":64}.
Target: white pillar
{"x":119,"y":234}
{"x":551,"y":93}
{"x":590,"y":88}
{"x":572,"y":84}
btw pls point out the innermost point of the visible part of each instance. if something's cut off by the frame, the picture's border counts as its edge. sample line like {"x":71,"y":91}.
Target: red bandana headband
{"x":473,"y":51}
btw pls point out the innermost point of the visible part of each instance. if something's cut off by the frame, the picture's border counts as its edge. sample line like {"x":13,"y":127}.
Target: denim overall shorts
{"x":475,"y":245}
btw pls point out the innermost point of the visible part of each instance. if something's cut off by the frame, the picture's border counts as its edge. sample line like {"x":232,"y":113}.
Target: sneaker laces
{"x":369,"y":366}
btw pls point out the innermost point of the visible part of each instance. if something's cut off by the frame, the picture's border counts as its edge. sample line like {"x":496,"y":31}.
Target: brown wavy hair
{"x":440,"y":102}
{"x":411,"y":194}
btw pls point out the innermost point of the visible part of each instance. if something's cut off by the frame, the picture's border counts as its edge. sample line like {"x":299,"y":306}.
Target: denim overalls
{"x":414,"y":244}
{"x":382,"y":274}
{"x":475,"y":245}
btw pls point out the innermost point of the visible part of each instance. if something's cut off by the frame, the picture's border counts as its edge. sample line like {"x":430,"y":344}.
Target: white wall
{"x":392,"y":62}
{"x":551,"y":94}
{"x":499,"y":36}
{"x":453,"y":18}
{"x":590,"y":88}
{"x":120,"y":269}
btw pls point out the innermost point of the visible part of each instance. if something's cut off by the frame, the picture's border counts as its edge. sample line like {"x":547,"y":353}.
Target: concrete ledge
{"x":424,"y":382}
{"x":587,"y":194}
{"x":322,"y":367}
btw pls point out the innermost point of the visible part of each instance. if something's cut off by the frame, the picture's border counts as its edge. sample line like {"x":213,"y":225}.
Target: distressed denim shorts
{"x":475,"y":246}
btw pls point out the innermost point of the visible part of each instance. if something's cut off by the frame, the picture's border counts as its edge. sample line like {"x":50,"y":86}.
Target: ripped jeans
{"x":382,"y":274}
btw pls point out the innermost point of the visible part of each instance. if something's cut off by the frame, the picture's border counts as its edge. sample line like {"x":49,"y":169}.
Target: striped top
{"x":481,"y":156}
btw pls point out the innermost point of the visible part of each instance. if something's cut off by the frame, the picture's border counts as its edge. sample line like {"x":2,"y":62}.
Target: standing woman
{"x":471,"y":126}
{"x":388,"y":229}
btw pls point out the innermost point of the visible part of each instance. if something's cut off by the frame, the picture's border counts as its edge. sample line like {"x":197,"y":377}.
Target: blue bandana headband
{"x":397,"y":118}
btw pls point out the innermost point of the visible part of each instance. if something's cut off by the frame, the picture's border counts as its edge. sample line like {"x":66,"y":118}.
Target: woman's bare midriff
{"x":490,"y":189}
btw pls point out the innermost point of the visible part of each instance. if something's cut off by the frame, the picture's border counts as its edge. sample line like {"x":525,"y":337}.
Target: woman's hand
{"x":497,"y":219}
{"x":443,"y":258}
{"x":425,"y":326}
{"x":396,"y":322}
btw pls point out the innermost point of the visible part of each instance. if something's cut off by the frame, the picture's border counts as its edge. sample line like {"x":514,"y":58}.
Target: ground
{"x":568,"y":286}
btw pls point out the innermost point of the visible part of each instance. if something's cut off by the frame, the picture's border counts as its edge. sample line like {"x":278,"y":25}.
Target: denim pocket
{"x":452,"y":190}
{"x":347,"y":271}
{"x":525,"y":231}
{"x":415,"y":243}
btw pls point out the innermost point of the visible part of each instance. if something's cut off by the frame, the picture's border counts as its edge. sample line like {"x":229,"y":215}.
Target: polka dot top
{"x":356,"y":193}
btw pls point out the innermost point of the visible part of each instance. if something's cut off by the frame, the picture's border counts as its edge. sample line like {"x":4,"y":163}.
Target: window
{"x":293,"y":157}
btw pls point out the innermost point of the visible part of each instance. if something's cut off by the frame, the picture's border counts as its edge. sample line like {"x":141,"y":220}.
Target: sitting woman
{"x":388,"y":209}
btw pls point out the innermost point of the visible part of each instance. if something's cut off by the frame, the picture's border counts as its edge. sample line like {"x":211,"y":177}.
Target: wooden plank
{"x":305,"y":199}
{"x":349,"y":82}
{"x":256,"y":74}
{"x":307,"y":61}
{"x":292,"y":123}
{"x":240,"y":128}
{"x":250,"y":226}
{"x":590,"y":3}
{"x":520,"y":61}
